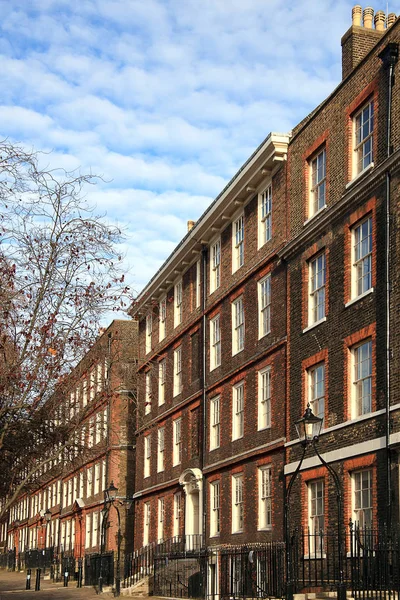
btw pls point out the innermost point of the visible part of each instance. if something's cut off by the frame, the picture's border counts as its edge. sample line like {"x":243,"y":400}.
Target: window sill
{"x":314,"y":325}
{"x":317,"y":556}
{"x":263,"y":335}
{"x":239,"y":531}
{"x":360,"y":297}
{"x":264,"y":428}
{"x":269,"y":528}
{"x":319,"y":211}
{"x":212,"y":449}
{"x":360,"y":175}
{"x":237,"y":352}
{"x":214,"y":535}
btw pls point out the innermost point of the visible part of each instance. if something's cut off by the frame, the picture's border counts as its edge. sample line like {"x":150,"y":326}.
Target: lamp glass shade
{"x":47,"y":515}
{"x":112,"y":491}
{"x":309,"y":426}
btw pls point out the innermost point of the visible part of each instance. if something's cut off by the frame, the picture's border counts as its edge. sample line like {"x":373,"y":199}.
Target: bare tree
{"x":60,"y":273}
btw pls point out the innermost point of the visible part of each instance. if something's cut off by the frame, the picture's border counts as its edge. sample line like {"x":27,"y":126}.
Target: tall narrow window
{"x":177,"y":513}
{"x":147,"y":455}
{"x":238,"y":411}
{"x":316,"y":515}
{"x":149,"y":331}
{"x":317,"y":182}
{"x":215,"y":343}
{"x":177,"y":441}
{"x":215,"y":262}
{"x":147,"y":401}
{"x":264,"y":498}
{"x":362,"y":258}
{"x":362,"y":498}
{"x":237,"y":326}
{"x":198,"y":284}
{"x":178,"y":303}
{"x":162,"y":309}
{"x":146,"y":523}
{"x":264,"y":306}
{"x":177,"y":371}
{"x":317,"y":281}
{"x":162,"y":370}
{"x":265,"y":215}
{"x":362,"y":379}
{"x":215,"y":508}
{"x":364,"y":137}
{"x":264,"y":398}
{"x":316,"y":397}
{"x":161,"y":518}
{"x":237,"y":503}
{"x":160,"y":452}
{"x":214,"y":423}
{"x":238,"y":243}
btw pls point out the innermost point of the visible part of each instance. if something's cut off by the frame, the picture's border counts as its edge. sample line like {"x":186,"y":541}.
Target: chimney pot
{"x":368,"y":17}
{"x":190,"y":225}
{"x":391,"y":19}
{"x":380,"y":19}
{"x":356,"y":15}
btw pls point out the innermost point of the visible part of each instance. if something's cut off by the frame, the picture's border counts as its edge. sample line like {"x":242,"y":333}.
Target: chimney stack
{"x":365,"y":31}
{"x":190,"y":225}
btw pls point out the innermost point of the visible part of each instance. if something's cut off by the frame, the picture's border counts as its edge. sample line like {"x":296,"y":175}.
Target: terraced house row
{"x":284,"y":293}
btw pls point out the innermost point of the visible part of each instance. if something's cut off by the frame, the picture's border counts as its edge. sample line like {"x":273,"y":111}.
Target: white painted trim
{"x":360,"y":297}
{"x":314,"y":325}
{"x":394,"y":407}
{"x":360,"y":174}
{"x":339,"y":454}
{"x":319,"y":211}
{"x":345,"y":424}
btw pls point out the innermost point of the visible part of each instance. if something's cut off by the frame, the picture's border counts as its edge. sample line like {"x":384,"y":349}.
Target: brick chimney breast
{"x":361,"y":37}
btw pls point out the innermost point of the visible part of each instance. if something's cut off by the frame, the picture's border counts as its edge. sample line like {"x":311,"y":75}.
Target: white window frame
{"x":162,"y":312}
{"x":147,"y":399}
{"x":177,"y":371}
{"x":215,"y":506}
{"x":96,"y":478}
{"x":238,"y":243}
{"x":238,"y":325}
{"x":177,"y":513}
{"x":362,"y":510}
{"x":215,"y":424}
{"x":363,"y":138}
{"x":149,"y":331}
{"x":147,"y":455}
{"x":316,"y":376}
{"x":215,"y":265}
{"x":215,"y":342}
{"x":361,"y":252}
{"x":264,"y":306}
{"x":178,"y":302}
{"x":265,"y":498}
{"x":317,"y":289}
{"x":237,"y":503}
{"x":160,"y":449}
{"x":264,"y":398}
{"x":146,"y":523}
{"x":361,"y":378}
{"x":198,"y":283}
{"x":265,"y":215}
{"x":177,"y":442}
{"x":160,"y":520}
{"x":317,"y":182}
{"x":162,"y":373}
{"x":238,"y":411}
{"x":316,"y":515}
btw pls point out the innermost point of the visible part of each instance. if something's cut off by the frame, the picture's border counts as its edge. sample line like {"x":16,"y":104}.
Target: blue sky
{"x":165,"y":99}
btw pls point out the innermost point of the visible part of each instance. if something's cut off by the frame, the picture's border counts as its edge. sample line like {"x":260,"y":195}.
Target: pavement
{"x":12,"y":587}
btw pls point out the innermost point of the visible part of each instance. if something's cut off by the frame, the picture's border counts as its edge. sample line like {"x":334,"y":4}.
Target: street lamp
{"x":308,"y":430}
{"x":110,"y":495}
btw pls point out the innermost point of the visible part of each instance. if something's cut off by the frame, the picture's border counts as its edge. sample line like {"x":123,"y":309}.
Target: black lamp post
{"x":308,"y":430}
{"x":110,"y":495}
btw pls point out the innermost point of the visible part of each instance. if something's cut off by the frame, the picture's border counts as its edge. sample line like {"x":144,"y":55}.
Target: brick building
{"x":284,"y":292}
{"x":62,"y":510}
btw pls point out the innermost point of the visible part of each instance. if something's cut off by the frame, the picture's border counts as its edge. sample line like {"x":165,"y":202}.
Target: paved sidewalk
{"x":12,"y":587}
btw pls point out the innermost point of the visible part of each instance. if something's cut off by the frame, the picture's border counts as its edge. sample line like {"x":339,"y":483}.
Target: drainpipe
{"x":204,"y":383}
{"x":389,"y":57}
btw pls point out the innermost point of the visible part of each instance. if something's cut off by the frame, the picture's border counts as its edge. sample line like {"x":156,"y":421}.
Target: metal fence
{"x":96,"y":564}
{"x":8,"y":560}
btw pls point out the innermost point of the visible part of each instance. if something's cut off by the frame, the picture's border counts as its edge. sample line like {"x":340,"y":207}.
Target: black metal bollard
{"x":28,"y":580}
{"x":37,"y":583}
{"x":80,"y":573}
{"x":66,"y":575}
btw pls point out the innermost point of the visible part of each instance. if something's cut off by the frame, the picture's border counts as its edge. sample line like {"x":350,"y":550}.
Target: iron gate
{"x":99,"y":563}
{"x":180,"y":575}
